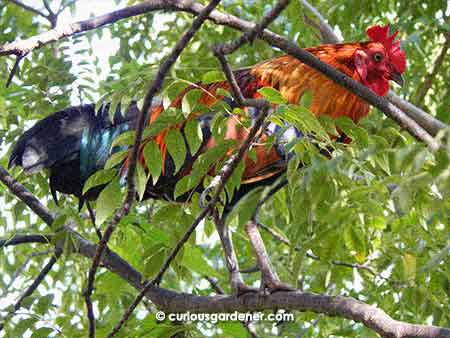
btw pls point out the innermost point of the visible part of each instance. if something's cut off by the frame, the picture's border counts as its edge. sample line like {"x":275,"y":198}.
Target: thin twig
{"x":89,"y":313}
{"x":429,"y":79}
{"x":63,"y":7}
{"x":24,"y":239}
{"x":22,"y":268}
{"x":14,"y":70}
{"x":275,"y":235}
{"x":29,"y":291}
{"x":47,"y":7}
{"x":28,"y":8}
{"x":326,"y":31}
{"x":92,"y":217}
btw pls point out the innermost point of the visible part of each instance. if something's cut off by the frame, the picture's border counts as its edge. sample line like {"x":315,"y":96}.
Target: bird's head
{"x":380,"y":60}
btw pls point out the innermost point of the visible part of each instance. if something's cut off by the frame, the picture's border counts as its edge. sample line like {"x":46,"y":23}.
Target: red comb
{"x":397,"y":56}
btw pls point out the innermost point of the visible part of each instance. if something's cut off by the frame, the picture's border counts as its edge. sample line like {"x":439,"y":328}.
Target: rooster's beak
{"x":397,"y":78}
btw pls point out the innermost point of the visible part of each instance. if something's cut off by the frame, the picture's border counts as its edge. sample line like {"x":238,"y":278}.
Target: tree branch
{"x":22,"y":268}
{"x":13,"y":71}
{"x":29,"y":291}
{"x":64,"y":6}
{"x":28,"y":8}
{"x":25,"y":239}
{"x":283,"y":240}
{"x":428,"y":82}
{"x":171,"y":301}
{"x":345,"y":307}
{"x":25,"y":196}
{"x":326,"y":31}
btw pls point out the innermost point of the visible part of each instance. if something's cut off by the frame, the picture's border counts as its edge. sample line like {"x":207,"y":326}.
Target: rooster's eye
{"x":377,"y":57}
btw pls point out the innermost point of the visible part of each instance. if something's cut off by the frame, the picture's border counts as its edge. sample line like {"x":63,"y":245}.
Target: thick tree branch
{"x":171,"y":301}
{"x":218,"y":289}
{"x":346,"y":307}
{"x":23,"y":47}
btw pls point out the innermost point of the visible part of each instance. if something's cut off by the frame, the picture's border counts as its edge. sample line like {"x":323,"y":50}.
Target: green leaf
{"x":153,"y":160}
{"x":194,"y":135}
{"x":355,"y":240}
{"x":195,"y":261}
{"x":190,"y":101}
{"x":108,"y":201}
{"x":141,"y":181}
{"x":168,"y":118}
{"x":409,"y":266}
{"x":201,"y":167}
{"x":213,"y":76}
{"x":98,"y":178}
{"x":272,"y":95}
{"x":245,"y":208}
{"x":124,"y":139}
{"x":306,"y":99}
{"x":176,"y":147}
{"x":42,"y":332}
{"x":115,"y":159}
{"x":43,"y":304}
{"x":222,"y":92}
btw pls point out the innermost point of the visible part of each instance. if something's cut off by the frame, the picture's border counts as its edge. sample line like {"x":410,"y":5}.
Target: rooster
{"x":75,"y":143}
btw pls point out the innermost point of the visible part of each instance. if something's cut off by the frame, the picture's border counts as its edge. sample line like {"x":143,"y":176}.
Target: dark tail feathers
{"x":55,"y":142}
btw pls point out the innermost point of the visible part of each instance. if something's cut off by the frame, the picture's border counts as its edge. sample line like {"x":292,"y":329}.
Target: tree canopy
{"x":371,"y":222}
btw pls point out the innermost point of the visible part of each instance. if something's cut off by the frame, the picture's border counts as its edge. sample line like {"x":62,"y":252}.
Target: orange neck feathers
{"x":293,"y":79}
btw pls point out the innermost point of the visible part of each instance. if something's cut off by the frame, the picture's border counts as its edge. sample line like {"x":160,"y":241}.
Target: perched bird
{"x":74,"y":143}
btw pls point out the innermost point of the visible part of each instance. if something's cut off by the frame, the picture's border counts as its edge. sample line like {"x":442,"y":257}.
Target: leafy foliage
{"x":382,"y":200}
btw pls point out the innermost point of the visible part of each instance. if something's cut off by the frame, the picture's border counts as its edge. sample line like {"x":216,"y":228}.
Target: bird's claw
{"x":241,"y":289}
{"x":205,"y":197}
{"x":271,"y":285}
